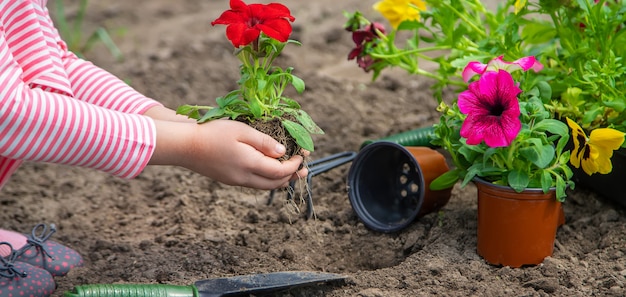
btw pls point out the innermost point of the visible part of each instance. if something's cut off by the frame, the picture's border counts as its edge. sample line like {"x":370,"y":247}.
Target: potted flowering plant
{"x":259,"y":33}
{"x":500,"y":131}
{"x":579,"y":43}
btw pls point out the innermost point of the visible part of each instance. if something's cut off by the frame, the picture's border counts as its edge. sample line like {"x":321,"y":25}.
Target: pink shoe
{"x":47,"y":254}
{"x":22,"y":279}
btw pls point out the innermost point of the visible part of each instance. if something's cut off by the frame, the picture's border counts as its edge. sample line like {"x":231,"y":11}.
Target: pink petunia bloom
{"x":524,"y":63}
{"x":492,"y":110}
{"x":246,"y":22}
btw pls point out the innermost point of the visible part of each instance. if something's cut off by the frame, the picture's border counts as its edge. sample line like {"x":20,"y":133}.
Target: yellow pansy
{"x":594,"y":153}
{"x":398,"y":11}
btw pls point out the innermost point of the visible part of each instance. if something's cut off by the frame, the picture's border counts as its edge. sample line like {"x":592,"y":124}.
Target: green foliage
{"x":585,"y":59}
{"x":580,"y":43}
{"x":72,"y":32}
{"x":260,"y":94}
{"x":536,"y":159}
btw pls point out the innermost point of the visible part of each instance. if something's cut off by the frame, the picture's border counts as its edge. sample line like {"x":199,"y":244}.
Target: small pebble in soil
{"x":288,"y":254}
{"x":548,"y":284}
{"x":373,"y":292}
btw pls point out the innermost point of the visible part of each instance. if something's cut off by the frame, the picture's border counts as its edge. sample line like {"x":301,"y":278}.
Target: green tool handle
{"x":416,"y":137}
{"x":132,"y":290}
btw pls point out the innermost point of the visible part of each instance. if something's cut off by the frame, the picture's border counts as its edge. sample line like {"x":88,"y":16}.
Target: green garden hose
{"x":133,"y":290}
{"x":416,"y":137}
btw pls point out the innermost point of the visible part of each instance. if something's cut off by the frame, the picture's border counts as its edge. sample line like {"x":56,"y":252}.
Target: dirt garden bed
{"x":172,"y":226}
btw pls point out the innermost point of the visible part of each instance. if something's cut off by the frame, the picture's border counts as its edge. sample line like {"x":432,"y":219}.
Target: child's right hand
{"x":227,"y":151}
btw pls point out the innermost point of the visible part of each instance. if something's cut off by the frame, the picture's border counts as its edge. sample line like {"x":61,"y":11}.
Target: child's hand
{"x":226,"y":151}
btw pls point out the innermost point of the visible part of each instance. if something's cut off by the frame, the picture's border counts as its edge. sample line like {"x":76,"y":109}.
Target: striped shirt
{"x":57,"y":108}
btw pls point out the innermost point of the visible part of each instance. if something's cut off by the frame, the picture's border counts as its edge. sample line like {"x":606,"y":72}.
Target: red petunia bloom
{"x":246,"y":22}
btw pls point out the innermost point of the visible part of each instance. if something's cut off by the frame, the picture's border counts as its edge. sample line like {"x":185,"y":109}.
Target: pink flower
{"x":492,"y":110}
{"x":524,"y":63}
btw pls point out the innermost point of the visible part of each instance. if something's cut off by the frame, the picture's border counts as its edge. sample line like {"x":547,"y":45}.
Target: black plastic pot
{"x":607,"y":185}
{"x":388,"y":184}
{"x":388,"y":179}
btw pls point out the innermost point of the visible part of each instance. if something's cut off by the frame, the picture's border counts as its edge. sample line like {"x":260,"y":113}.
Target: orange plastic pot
{"x":516,"y":229}
{"x":433,"y":164}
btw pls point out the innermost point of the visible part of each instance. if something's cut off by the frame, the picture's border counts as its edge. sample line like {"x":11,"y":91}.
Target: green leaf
{"x":488,"y":153}
{"x":446,"y":180}
{"x":472,"y":171}
{"x":297,"y":83}
{"x":188,"y":110}
{"x":212,"y":114}
{"x":561,"y":145}
{"x":553,"y":126}
{"x":618,"y":105}
{"x":229,"y":99}
{"x":572,"y":94}
{"x":541,"y":156}
{"x":408,"y":25}
{"x":564,"y":159}
{"x":300,"y":134}
{"x":307,"y":122}
{"x":518,"y":180}
{"x":291,"y":104}
{"x":261,"y":83}
{"x":462,"y":61}
{"x":255,"y":108}
{"x":546,"y":180}
{"x":591,"y":114}
{"x":533,"y":141}
{"x":545,"y":90}
{"x":567,"y":171}
{"x":560,"y":188}
{"x":538,"y":32}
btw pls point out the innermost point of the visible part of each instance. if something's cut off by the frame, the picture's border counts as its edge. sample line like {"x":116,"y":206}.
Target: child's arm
{"x":41,"y":126}
{"x":97,"y":86}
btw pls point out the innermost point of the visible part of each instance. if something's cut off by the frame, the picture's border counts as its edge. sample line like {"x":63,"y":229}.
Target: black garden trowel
{"x":243,"y":285}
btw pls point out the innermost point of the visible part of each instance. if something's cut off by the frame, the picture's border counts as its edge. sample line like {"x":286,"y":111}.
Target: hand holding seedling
{"x":227,"y":151}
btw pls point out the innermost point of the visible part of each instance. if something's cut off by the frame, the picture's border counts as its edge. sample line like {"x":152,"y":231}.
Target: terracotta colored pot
{"x":388,"y":184}
{"x":516,"y":229}
{"x":433,"y":164}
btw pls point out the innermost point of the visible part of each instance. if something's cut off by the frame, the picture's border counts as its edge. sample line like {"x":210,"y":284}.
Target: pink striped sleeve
{"x":42,"y":126}
{"x":94,"y":85}
{"x":97,"y":86}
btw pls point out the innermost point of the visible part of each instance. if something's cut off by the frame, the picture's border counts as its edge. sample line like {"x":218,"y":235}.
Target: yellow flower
{"x":519,"y":4}
{"x":398,"y":11}
{"x":594,"y":153}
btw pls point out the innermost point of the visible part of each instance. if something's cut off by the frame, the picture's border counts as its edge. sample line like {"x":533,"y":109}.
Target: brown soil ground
{"x":172,"y":226}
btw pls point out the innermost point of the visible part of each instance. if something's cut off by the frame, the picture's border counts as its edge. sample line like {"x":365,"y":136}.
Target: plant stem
{"x":410,"y":52}
{"x":465,"y":19}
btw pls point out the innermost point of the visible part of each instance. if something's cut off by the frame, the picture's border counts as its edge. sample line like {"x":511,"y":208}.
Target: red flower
{"x":246,"y":22}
